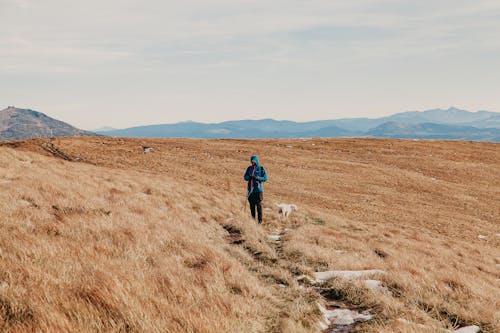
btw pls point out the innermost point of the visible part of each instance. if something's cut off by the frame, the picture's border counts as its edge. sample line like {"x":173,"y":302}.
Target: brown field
{"x":123,"y":241}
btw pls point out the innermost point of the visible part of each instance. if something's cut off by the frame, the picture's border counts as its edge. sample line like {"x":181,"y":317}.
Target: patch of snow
{"x":349,"y":275}
{"x":323,"y":324}
{"x":275,"y":237}
{"x":469,"y":329}
{"x":304,"y":277}
{"x":24,"y":203}
{"x":482,"y":237}
{"x":498,"y":235}
{"x":376,"y":285}
{"x":4,"y":285}
{"x":343,"y":316}
{"x":340,"y":251}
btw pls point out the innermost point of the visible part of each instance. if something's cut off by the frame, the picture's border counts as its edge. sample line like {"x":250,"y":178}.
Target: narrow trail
{"x":338,"y":316}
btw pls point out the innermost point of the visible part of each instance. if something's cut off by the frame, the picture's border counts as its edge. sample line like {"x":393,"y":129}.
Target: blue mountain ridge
{"x":452,"y":124}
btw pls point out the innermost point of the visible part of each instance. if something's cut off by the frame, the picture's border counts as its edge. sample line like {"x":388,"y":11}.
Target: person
{"x":255,"y":176}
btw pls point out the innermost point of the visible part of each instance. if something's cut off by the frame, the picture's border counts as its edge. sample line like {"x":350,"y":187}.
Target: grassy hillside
{"x":123,"y":241}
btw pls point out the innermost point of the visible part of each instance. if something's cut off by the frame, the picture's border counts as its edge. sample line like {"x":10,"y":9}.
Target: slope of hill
{"x":24,"y":124}
{"x":160,"y":242}
{"x":453,"y":118}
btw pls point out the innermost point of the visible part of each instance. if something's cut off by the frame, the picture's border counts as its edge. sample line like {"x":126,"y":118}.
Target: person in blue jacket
{"x":255,"y":176}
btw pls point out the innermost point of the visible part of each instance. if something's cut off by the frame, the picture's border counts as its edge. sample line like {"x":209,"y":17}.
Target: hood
{"x":256,"y":159}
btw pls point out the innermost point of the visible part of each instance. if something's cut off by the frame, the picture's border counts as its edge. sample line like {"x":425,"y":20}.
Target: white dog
{"x":286,"y":209}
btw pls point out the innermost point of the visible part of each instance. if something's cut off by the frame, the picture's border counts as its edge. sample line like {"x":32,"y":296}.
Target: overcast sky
{"x":122,"y":63}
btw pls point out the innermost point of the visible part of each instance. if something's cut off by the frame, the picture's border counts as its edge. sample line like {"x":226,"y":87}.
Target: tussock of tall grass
{"x":147,"y":231}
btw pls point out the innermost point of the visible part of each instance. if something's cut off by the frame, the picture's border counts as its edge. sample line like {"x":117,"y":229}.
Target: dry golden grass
{"x":127,"y":241}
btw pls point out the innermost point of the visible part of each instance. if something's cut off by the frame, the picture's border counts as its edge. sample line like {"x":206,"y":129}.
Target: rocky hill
{"x":18,"y":124}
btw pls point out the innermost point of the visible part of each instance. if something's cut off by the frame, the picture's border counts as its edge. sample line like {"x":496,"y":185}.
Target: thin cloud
{"x":199,"y":48}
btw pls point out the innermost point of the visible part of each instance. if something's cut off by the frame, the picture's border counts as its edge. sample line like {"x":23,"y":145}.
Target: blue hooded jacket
{"x":260,"y":176}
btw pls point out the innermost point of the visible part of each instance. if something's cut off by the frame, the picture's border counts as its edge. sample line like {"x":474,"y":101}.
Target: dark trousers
{"x":255,"y":200}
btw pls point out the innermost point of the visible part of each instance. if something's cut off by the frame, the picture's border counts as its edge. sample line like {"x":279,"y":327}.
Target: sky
{"x":125,"y":63}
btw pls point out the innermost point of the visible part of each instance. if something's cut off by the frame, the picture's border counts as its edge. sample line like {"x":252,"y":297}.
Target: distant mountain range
{"x":452,"y":124}
{"x":394,"y":129}
{"x":18,"y":124}
{"x":449,"y":124}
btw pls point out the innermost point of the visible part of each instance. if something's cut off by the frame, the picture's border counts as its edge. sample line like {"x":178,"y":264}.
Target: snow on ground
{"x":376,"y":285}
{"x":468,"y":329}
{"x":342,"y":317}
{"x":275,"y":237}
